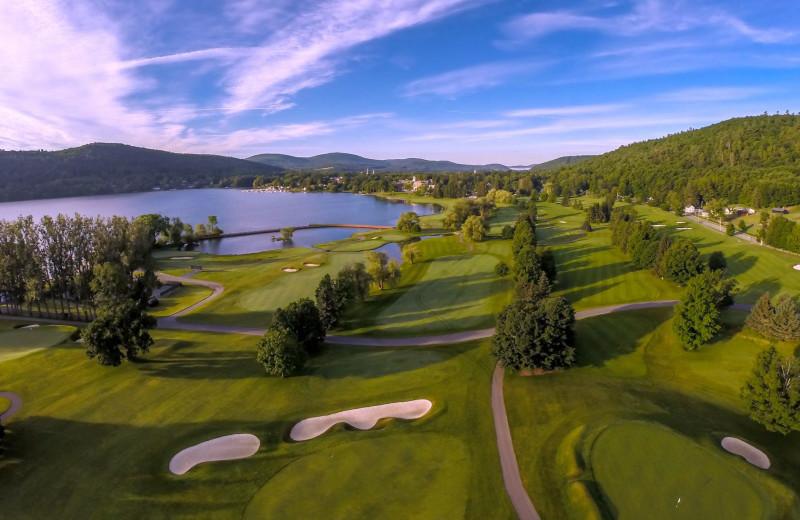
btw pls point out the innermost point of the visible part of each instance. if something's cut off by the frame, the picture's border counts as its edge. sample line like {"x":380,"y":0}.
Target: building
{"x":782,"y":211}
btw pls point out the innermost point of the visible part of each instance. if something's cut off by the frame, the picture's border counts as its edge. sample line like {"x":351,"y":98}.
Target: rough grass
{"x":87,"y":431}
{"x":631,"y":368}
{"x":19,"y":342}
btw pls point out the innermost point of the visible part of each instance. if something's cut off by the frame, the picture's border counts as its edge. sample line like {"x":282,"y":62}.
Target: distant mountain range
{"x":345,"y":162}
{"x":102,"y":168}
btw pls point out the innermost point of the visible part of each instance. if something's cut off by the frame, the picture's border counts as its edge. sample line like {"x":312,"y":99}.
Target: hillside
{"x":750,"y":160}
{"x":561,"y":161}
{"x":103,"y":168}
{"x":345,"y":162}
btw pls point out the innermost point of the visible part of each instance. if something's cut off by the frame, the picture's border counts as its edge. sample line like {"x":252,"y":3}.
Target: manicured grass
{"x":451,"y":289}
{"x":651,"y":472}
{"x":590,"y":272}
{"x":179,"y":299}
{"x":757,"y":269}
{"x":630,"y":368}
{"x":95,"y":442}
{"x":19,"y":342}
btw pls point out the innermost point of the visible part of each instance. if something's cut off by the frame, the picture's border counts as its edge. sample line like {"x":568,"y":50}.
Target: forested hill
{"x":102,"y":168}
{"x":750,"y":160}
{"x":345,"y":162}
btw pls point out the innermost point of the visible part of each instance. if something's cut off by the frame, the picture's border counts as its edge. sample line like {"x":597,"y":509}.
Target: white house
{"x":689,"y":210}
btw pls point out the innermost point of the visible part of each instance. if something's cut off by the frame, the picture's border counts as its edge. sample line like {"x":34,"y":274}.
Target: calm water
{"x":395,"y":250}
{"x":236,"y":211}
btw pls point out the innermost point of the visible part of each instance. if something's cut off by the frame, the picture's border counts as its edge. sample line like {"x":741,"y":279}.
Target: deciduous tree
{"x":302,"y":318}
{"x":280,"y":353}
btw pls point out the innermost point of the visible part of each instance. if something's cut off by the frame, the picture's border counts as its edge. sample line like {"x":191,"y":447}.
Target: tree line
{"x":298,"y":330}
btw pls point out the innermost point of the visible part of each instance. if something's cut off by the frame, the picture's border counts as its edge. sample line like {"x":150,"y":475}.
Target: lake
{"x":236,"y":211}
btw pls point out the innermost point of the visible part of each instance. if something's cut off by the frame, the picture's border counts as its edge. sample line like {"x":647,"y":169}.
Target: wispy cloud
{"x":469,"y":79}
{"x":715,"y":94}
{"x":564,"y":111}
{"x":306,"y":51}
{"x":645,"y":17}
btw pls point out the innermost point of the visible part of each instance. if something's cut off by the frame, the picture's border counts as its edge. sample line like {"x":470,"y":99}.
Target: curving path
{"x":16,"y":404}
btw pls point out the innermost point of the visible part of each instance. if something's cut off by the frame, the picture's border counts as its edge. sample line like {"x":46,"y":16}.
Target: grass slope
{"x":97,"y":444}
{"x":630,"y":368}
{"x":19,"y":342}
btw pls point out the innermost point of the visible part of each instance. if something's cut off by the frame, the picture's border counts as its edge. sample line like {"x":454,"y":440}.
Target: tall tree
{"x":280,"y":353}
{"x":772,"y":393}
{"x":329,"y":302}
{"x":474,"y":228}
{"x":302,"y":318}
{"x":535,"y":335}
{"x":697,"y":315}
{"x":120,"y":331}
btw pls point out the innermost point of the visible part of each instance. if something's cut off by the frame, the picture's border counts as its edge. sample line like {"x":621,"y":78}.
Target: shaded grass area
{"x":590,"y":272}
{"x":110,"y":433}
{"x":179,"y":299}
{"x":630,"y":368}
{"x":451,"y":289}
{"x":18,"y":342}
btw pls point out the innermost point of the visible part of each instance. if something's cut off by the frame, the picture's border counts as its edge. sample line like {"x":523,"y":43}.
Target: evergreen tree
{"x":730,"y":229}
{"x":762,"y":316}
{"x":533,"y":291}
{"x":329,"y":302}
{"x":772,"y":393}
{"x":697,"y":314}
{"x":786,"y":322}
{"x":528,"y":264}
{"x":664,"y":243}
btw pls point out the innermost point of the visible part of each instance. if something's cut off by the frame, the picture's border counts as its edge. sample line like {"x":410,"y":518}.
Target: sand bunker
{"x":375,"y":238}
{"x":29,"y":327}
{"x":361,"y":418}
{"x":659,"y":225}
{"x":289,"y":270}
{"x":16,"y":404}
{"x":309,"y":264}
{"x":681,"y":222}
{"x":797,"y":267}
{"x":682,"y":228}
{"x":181,"y":257}
{"x":750,"y":453}
{"x":229,"y":447}
{"x":562,"y":221}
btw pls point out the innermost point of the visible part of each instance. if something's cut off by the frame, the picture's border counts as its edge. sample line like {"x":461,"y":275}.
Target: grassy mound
{"x":646,"y":471}
{"x":16,"y":343}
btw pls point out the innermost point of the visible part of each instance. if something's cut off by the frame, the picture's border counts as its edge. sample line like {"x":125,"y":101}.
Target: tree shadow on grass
{"x":753,"y":292}
{"x":234,"y":365}
{"x":127,"y":465}
{"x":373,"y":363}
{"x":606,"y":337}
{"x":739,"y":263}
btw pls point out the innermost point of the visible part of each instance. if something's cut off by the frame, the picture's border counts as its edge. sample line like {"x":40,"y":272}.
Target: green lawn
{"x":95,"y":442}
{"x":646,"y":471}
{"x":19,"y":342}
{"x":179,"y":299}
{"x":630,"y":368}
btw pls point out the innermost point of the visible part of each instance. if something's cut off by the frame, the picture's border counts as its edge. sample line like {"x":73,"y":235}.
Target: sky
{"x":471,"y":81}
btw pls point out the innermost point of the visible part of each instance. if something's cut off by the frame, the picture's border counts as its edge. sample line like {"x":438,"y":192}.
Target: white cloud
{"x":712,"y":94}
{"x":306,"y":51}
{"x":468,"y":79}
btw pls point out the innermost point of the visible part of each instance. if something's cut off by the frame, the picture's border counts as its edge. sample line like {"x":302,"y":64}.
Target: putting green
{"x":20,"y":342}
{"x":421,"y":486}
{"x":648,"y":471}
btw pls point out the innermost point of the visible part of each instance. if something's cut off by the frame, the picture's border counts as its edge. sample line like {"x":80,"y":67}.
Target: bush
{"x":502,"y":269}
{"x":280,"y":353}
{"x":586,"y":226}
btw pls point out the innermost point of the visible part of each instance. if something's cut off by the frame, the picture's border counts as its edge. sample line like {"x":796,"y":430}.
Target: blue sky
{"x":473,"y":81}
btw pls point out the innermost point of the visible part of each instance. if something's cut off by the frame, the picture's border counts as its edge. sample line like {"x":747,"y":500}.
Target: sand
{"x":682,"y":228}
{"x":797,"y":267}
{"x":681,"y":222}
{"x":29,"y":327}
{"x":16,"y":404}
{"x":181,"y":257}
{"x":309,"y":264}
{"x":361,"y":418}
{"x":659,"y":225}
{"x":750,"y":453}
{"x":229,"y":447}
{"x":375,"y":238}
{"x":289,"y":270}
{"x":562,"y":221}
